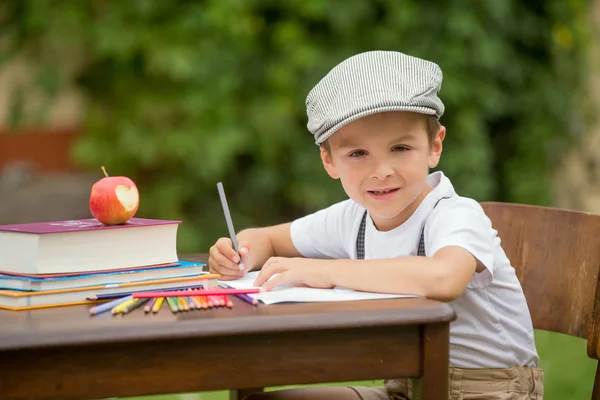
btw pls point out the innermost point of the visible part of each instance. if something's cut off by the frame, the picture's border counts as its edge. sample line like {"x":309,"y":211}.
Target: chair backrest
{"x":556,"y":254}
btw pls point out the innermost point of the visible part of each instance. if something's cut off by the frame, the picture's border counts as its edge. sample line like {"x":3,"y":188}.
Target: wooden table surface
{"x":65,"y":353}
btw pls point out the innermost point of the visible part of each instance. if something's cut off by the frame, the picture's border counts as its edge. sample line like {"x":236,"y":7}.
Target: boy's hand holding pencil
{"x":224,"y":259}
{"x":232,"y":261}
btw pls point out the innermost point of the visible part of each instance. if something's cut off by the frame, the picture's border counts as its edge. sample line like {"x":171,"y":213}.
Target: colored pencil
{"x":202,"y":301}
{"x":243,"y":297}
{"x":119,"y":308}
{"x":172,"y":304}
{"x":148,"y":306}
{"x":137,"y":303}
{"x":157,"y":304}
{"x":191,"y":302}
{"x":110,"y":296}
{"x":197,"y":302}
{"x":228,"y":302}
{"x":194,"y":292}
{"x":215,"y":302}
{"x":108,"y":306}
{"x":181,"y":303}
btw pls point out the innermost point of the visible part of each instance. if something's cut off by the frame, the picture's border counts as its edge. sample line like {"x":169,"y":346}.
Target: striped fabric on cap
{"x":369,"y":83}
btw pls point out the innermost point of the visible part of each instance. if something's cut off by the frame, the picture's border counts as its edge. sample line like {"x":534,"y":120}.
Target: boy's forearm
{"x":261,"y":248}
{"x":268,"y":242}
{"x":422,"y":276}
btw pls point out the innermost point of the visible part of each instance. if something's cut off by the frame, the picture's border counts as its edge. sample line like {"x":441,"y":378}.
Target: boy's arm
{"x":267,"y":242}
{"x":441,"y":277}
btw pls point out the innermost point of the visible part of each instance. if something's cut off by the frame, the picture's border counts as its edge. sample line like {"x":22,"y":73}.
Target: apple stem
{"x":104,"y":170}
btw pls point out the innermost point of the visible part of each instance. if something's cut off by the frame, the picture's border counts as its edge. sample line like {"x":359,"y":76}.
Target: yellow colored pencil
{"x":118,"y":309}
{"x":182,"y":304}
{"x":157,"y":304}
{"x":133,"y":306}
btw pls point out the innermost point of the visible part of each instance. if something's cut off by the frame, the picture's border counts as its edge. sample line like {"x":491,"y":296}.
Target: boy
{"x":402,"y":230}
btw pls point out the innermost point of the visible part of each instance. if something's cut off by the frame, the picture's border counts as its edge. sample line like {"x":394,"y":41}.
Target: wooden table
{"x":64,"y":353}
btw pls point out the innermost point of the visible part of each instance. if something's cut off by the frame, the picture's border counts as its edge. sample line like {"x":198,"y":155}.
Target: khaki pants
{"x":517,"y":383}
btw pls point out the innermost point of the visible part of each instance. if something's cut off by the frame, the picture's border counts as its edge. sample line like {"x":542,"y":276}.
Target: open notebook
{"x":306,"y":294}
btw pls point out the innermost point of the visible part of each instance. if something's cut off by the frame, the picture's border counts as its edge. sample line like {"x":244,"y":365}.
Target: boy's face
{"x":383,"y":161}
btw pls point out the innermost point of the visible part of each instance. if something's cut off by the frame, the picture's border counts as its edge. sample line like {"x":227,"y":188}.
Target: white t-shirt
{"x":493,"y":328}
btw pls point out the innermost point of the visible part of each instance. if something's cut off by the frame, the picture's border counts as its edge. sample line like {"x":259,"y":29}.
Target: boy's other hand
{"x":223,"y":259}
{"x":281,"y":270}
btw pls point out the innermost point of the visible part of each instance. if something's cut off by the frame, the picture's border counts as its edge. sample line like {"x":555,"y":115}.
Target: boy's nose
{"x":382,"y":170}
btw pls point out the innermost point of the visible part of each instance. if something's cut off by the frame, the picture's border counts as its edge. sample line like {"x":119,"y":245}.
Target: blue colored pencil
{"x":108,"y":306}
{"x":190,"y":303}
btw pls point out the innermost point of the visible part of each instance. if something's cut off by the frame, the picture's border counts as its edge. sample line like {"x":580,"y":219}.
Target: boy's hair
{"x":432,"y":126}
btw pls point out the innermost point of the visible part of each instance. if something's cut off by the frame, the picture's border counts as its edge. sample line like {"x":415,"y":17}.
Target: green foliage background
{"x":183,"y":94}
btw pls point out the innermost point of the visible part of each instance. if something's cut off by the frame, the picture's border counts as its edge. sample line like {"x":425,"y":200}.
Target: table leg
{"x":436,"y":352}
{"x":239,"y":394}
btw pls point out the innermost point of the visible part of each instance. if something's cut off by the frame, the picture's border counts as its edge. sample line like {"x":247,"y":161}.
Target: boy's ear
{"x":328,"y":163}
{"x":436,"y":147}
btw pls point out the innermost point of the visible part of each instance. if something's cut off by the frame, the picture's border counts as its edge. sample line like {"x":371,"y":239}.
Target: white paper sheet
{"x":306,"y":294}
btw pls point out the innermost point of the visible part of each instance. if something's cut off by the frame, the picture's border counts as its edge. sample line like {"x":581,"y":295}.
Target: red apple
{"x":114,"y":199}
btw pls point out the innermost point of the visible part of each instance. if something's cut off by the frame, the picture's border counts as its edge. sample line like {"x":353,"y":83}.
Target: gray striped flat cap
{"x":369,"y":83}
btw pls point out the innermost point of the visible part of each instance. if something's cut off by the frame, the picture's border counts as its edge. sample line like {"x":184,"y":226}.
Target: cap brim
{"x":375,"y":110}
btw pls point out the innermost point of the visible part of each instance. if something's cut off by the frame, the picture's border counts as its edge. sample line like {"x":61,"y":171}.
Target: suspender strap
{"x":360,"y":238}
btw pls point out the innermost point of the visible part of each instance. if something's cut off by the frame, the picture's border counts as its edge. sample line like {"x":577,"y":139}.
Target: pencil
{"x":109,"y":305}
{"x":194,"y":292}
{"x":157,"y":304}
{"x":134,"y":305}
{"x":190,"y":303}
{"x":182,"y":304}
{"x":244,"y":297}
{"x":202,"y":301}
{"x":219,"y":300}
{"x":119,"y":308}
{"x":228,"y":220}
{"x":197,"y":302}
{"x":172,"y":304}
{"x":110,"y":296}
{"x":228,"y":302}
{"x":148,"y":306}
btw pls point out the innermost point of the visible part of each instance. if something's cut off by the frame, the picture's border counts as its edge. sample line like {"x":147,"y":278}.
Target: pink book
{"x":80,"y":225}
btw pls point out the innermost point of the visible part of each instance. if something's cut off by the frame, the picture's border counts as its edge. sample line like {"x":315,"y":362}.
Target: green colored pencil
{"x":172,"y":304}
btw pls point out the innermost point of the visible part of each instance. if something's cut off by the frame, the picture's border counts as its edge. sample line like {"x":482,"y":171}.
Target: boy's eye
{"x":357,"y":153}
{"x":400,"y":148}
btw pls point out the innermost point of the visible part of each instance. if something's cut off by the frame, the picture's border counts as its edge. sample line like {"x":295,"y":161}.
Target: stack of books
{"x":62,"y":263}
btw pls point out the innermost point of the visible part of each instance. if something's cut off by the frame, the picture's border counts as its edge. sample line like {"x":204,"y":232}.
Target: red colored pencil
{"x":205,"y":292}
{"x":228,"y":302}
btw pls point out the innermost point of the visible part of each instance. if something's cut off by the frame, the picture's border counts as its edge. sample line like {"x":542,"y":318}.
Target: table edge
{"x":257,"y":324}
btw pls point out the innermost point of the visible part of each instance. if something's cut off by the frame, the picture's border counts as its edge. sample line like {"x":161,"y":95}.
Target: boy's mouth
{"x":383,"y":191}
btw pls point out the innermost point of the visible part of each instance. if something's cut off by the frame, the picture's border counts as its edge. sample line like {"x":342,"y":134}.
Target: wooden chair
{"x":556,"y":254}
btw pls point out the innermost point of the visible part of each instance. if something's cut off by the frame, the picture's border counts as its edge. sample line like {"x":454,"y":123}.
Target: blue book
{"x":180,"y":269}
